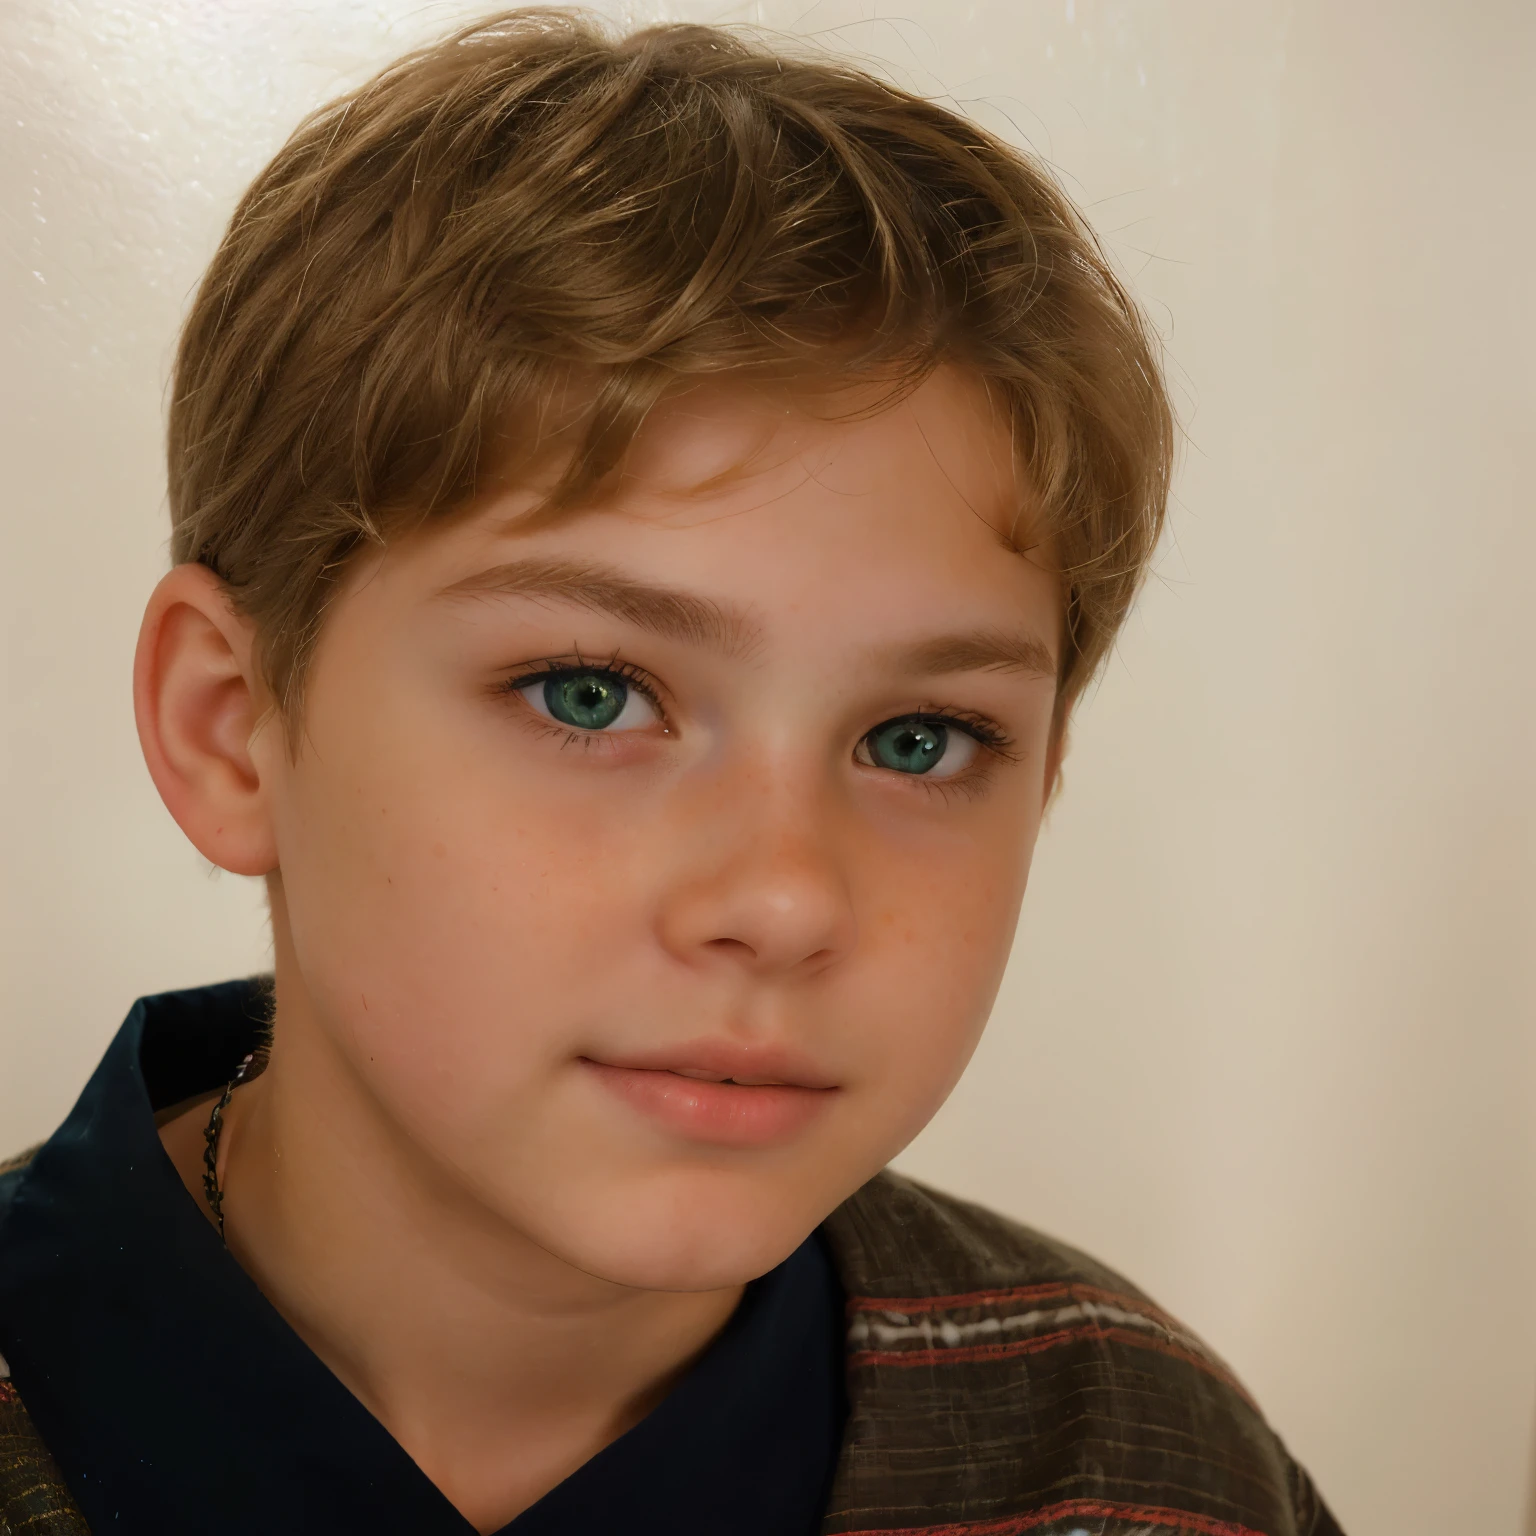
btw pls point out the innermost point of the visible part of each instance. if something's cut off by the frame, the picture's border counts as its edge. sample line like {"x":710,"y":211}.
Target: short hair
{"x":535,"y":204}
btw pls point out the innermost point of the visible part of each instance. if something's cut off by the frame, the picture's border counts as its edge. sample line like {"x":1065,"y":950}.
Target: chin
{"x":680,"y":1234}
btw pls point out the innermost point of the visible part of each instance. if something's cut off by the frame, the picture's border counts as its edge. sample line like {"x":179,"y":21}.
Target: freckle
{"x":439,"y":850}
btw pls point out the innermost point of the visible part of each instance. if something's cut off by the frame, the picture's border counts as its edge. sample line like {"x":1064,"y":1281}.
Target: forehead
{"x":736,"y":442}
{"x":771,"y":497}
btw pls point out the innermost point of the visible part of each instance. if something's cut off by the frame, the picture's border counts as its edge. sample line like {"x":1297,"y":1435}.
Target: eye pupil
{"x":909,"y":746}
{"x":590,"y":701}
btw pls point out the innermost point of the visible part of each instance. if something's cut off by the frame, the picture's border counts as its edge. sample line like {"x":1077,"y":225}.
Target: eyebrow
{"x":694,"y":620}
{"x":985,"y":650}
{"x":664,"y":611}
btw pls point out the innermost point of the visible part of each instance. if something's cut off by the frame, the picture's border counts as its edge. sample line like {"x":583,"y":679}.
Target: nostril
{"x":733,"y":947}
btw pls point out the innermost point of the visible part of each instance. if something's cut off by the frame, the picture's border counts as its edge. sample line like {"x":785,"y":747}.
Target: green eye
{"x":908,"y":746}
{"x":594,"y":700}
{"x":590,"y":701}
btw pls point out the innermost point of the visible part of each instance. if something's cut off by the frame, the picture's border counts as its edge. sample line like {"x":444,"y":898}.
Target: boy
{"x":643,"y":513}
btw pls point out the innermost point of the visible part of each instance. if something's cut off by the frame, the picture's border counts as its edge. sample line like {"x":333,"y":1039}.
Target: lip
{"x":773,"y":1094}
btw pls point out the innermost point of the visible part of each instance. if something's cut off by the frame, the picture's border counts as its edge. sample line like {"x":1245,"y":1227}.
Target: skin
{"x":467,"y":1177}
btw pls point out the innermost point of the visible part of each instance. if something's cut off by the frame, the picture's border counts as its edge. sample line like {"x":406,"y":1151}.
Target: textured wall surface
{"x":1269,"y":1040}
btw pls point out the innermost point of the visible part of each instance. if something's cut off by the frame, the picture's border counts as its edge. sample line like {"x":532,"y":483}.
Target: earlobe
{"x":197,"y":701}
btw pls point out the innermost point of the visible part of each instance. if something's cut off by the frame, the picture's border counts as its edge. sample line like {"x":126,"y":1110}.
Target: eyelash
{"x":985,"y":731}
{"x":988,"y":732}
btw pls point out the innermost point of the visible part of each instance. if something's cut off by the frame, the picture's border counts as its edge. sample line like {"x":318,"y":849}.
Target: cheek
{"x":936,"y":948}
{"x":428,"y":928}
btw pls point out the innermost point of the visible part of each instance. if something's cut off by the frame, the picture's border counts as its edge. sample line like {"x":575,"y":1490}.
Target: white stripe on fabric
{"x":867,"y":1331}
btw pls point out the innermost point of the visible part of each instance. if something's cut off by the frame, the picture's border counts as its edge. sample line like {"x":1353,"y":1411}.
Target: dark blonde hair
{"x":533,"y":205}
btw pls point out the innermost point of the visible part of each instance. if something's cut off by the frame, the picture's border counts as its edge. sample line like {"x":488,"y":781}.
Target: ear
{"x":199,"y":705}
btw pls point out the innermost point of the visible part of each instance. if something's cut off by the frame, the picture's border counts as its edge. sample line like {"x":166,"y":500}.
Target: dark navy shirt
{"x":177,"y":1400}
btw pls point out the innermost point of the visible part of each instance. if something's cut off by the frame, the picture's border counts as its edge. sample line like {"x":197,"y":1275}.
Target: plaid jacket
{"x":999,"y":1383}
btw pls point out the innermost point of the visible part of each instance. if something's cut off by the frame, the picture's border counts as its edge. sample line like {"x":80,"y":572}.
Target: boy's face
{"x":735,"y":778}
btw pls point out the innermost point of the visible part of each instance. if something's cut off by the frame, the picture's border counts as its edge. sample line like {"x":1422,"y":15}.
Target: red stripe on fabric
{"x":1137,"y":1514}
{"x":962,"y":1354}
{"x":910,"y":1304}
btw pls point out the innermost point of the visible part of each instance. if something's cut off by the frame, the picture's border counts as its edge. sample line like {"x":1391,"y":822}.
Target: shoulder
{"x":997,"y":1375}
{"x":900,"y":1236}
{"x":33,"y":1497}
{"x":12,"y":1168}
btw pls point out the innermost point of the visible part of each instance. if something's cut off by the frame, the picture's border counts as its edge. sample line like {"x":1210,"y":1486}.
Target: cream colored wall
{"x":1267,"y":1042}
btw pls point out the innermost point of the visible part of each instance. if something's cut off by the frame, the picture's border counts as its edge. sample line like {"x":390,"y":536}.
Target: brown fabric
{"x":999,"y":1383}
{"x":1003,"y":1383}
{"x":33,"y":1498}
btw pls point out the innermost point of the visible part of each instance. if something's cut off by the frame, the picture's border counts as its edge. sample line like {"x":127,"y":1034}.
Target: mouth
{"x":701,"y":1075}
{"x":694,"y":1094}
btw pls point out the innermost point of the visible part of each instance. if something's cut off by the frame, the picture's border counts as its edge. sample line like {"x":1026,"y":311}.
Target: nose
{"x":764,"y":890}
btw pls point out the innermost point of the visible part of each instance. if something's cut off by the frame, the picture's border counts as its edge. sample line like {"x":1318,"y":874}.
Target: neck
{"x":461,"y":1335}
